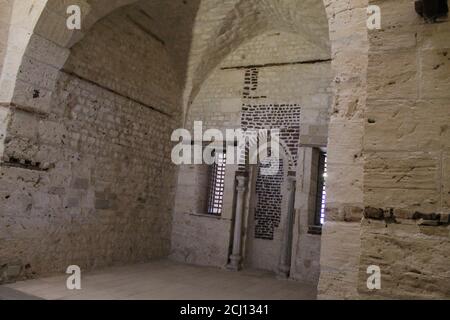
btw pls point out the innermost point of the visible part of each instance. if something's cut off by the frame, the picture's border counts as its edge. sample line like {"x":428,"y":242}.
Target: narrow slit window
{"x":217,"y":184}
{"x":321,"y":190}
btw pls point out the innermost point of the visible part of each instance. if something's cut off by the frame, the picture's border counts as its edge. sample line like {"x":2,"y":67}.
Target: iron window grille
{"x":321,"y":190}
{"x":217,"y":184}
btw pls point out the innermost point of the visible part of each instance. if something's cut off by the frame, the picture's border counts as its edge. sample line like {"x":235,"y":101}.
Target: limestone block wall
{"x":340,"y":251}
{"x":407,"y":148}
{"x":199,"y":238}
{"x":87,"y":178}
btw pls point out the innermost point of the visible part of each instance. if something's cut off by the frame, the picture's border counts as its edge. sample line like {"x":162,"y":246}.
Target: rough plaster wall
{"x":197,"y":237}
{"x":340,"y":250}
{"x":219,"y":104}
{"x":89,"y":181}
{"x":305,"y":264}
{"x":407,"y":148}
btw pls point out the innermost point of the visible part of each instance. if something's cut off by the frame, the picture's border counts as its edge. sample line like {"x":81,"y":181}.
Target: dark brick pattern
{"x":268,"y":208}
{"x":285,"y":118}
{"x":251,"y":84}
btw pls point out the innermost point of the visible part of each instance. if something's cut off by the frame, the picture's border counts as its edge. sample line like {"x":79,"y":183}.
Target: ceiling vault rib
{"x":268,"y":65}
{"x":146,"y":31}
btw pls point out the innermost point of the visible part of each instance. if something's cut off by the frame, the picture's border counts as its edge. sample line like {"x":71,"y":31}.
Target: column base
{"x":235,"y":263}
{"x":283,"y":272}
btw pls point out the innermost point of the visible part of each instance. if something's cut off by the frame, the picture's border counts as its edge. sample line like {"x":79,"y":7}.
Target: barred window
{"x":321,"y":190}
{"x":217,"y":184}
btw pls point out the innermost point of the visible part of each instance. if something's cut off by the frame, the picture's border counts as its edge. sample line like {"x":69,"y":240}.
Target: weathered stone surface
{"x":434,"y":82}
{"x":405,"y":147}
{"x":412,"y":259}
{"x":106,"y":191}
{"x":348,"y":33}
{"x":392,"y":75}
{"x":339,"y":261}
{"x":406,"y":125}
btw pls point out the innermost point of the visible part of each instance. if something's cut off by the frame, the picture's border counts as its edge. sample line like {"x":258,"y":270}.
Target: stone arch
{"x":302,"y":49}
{"x":251,"y":18}
{"x":38,"y":33}
{"x":90,"y":138}
{"x":41,"y":41}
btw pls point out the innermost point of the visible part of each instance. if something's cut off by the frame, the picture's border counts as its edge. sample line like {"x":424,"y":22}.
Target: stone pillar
{"x":284,"y":267}
{"x":236,"y":256}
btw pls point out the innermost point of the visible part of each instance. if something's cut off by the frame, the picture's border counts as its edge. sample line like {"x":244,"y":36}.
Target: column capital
{"x":241,"y":178}
{"x":242,"y":173}
{"x":291,"y":180}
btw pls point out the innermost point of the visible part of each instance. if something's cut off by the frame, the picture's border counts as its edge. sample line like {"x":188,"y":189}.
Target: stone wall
{"x":83,"y":164}
{"x":197,"y":237}
{"x":340,"y":252}
{"x":87,"y":179}
{"x":407,"y":149}
{"x":294,"y":76}
{"x":393,"y":150}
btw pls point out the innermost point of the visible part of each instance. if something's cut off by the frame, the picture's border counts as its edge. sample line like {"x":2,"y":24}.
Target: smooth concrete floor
{"x":165,"y":280}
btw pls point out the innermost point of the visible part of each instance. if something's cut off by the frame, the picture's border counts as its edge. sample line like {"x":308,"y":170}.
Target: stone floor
{"x":163,"y":280}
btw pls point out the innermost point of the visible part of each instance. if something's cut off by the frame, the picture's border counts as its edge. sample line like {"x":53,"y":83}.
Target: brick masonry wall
{"x":90,"y":181}
{"x":268,"y":202}
{"x":282,"y":117}
{"x":286,"y":119}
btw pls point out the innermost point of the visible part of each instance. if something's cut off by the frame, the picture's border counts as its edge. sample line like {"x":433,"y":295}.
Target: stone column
{"x":236,"y":256}
{"x":284,"y":267}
